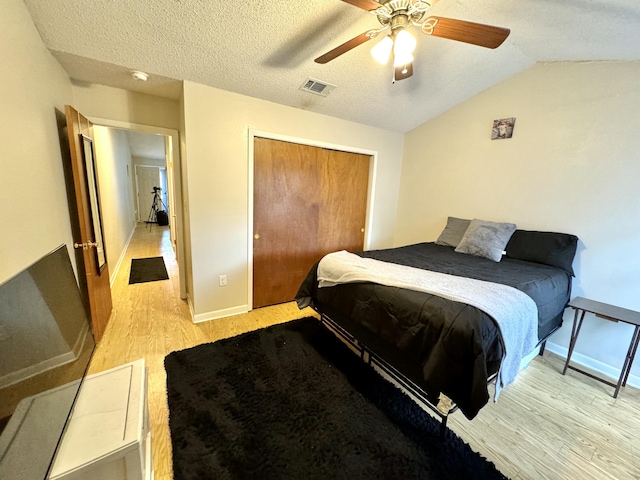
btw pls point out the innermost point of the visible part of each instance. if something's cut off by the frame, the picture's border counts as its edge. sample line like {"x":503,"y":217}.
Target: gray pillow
{"x":453,"y":232}
{"x":486,"y":239}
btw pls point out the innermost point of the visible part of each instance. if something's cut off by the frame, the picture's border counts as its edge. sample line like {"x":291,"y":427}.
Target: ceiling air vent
{"x":317,"y":87}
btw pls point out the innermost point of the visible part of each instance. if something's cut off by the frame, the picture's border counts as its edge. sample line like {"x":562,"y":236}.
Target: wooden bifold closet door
{"x":307,"y":202}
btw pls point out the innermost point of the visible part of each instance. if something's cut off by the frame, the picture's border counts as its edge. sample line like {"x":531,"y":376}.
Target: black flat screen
{"x":45,"y":348}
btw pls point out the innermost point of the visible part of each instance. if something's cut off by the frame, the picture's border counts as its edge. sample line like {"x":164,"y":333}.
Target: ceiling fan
{"x":396,"y":16}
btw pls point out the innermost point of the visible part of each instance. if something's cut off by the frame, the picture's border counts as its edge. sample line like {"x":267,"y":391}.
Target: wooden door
{"x":147,"y":177}
{"x":308,"y":201}
{"x":85,"y":185}
{"x":343,"y":196}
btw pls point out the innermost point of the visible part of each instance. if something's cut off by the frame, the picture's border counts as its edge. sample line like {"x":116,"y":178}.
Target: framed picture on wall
{"x":502,"y":128}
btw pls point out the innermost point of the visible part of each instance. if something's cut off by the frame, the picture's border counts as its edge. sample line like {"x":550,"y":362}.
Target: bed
{"x":434,"y":344}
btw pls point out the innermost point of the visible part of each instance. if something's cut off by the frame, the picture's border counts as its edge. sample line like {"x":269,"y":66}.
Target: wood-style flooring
{"x":544,"y":426}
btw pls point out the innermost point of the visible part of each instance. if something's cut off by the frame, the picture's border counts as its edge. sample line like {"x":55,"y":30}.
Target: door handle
{"x":256,"y":236}
{"x":86,"y":245}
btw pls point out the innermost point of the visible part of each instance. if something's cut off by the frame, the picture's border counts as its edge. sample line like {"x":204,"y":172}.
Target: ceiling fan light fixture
{"x":396,"y":16}
{"x":402,"y":59}
{"x":405,"y":43}
{"x":382,"y":50}
{"x":403,"y":48}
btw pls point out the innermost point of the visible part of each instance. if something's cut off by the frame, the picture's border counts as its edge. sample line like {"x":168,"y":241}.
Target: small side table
{"x":614,"y":314}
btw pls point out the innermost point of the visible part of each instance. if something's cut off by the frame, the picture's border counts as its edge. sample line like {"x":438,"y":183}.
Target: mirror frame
{"x":94,"y":199}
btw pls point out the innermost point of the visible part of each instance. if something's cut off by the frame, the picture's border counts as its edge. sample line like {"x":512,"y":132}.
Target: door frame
{"x":373,"y":163}
{"x":173,"y":164}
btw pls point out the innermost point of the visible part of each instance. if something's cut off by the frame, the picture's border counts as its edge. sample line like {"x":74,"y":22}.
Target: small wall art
{"x":502,"y":128}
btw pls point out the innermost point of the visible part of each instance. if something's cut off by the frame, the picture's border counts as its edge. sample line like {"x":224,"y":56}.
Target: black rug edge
{"x":451,"y":439}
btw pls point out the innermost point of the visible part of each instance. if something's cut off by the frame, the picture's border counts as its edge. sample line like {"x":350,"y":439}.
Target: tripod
{"x":157,"y":206}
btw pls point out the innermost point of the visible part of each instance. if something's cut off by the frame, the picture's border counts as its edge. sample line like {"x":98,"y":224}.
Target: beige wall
{"x":99,"y":101}
{"x":33,"y":204}
{"x":115,"y":173}
{"x":217,"y":127}
{"x":572,"y":166}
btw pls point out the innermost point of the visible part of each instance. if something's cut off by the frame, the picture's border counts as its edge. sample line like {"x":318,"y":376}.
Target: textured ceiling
{"x":265,"y":49}
{"x":146,"y":145}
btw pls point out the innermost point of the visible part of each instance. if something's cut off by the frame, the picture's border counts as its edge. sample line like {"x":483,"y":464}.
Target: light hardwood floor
{"x":545,"y":425}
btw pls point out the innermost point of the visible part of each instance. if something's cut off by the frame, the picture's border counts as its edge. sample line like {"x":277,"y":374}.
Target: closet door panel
{"x":308,"y":201}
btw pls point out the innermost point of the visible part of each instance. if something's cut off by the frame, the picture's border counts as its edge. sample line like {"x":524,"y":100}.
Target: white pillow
{"x":486,"y":239}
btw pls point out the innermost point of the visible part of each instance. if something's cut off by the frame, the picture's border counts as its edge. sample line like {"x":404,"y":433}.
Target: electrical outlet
{"x":223,"y":280}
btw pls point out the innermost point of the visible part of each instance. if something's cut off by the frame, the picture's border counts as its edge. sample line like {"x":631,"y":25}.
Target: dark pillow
{"x":453,"y":232}
{"x":548,"y":248}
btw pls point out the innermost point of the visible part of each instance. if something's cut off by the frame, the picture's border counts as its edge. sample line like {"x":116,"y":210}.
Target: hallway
{"x":150,"y":320}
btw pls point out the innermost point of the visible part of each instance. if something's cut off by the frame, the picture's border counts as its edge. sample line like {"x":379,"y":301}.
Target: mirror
{"x":92,"y":188}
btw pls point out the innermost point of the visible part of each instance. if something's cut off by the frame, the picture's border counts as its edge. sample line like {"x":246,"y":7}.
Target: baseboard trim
{"x":114,"y":271}
{"x":612,"y":373}
{"x":216,"y":314}
{"x":47,"y":364}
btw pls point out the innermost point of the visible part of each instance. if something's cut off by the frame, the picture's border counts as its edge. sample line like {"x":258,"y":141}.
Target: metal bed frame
{"x":376,"y":361}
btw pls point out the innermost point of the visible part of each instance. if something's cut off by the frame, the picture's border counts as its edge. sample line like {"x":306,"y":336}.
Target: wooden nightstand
{"x":611,"y":313}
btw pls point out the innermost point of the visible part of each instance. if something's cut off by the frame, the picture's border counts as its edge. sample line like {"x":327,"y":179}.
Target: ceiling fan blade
{"x":363,"y":4}
{"x":467,"y":32}
{"x":402,"y":72}
{"x":345,"y":47}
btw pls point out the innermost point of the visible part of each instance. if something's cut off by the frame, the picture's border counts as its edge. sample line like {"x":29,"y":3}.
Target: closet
{"x":308,"y":201}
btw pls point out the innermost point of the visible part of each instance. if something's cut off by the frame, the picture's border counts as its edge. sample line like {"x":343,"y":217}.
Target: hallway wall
{"x":115,"y":175}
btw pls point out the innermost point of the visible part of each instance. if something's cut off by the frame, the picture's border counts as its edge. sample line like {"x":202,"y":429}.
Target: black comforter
{"x":442,"y":345}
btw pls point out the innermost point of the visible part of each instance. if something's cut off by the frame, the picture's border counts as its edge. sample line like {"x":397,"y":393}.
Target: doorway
{"x":137,"y":147}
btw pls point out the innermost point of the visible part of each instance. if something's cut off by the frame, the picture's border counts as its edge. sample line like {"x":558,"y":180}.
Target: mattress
{"x":442,"y":345}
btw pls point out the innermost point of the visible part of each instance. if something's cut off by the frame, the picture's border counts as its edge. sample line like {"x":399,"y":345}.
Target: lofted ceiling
{"x":266,"y":48}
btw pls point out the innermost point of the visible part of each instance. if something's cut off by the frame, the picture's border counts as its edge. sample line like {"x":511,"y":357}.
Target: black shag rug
{"x":293,"y":402}
{"x":147,"y":270}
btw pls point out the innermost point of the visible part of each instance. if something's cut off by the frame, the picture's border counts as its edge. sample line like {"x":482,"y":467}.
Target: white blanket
{"x":515,"y":313}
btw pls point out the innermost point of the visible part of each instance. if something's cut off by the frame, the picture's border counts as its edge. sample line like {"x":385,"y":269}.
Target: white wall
{"x":217,"y":126}
{"x":154,"y":162}
{"x":149,"y":161}
{"x":115,"y":174}
{"x":34,"y":213}
{"x":572,"y":166}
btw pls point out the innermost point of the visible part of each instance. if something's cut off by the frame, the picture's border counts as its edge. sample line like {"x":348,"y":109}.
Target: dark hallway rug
{"x":147,"y":270}
{"x":292,"y":401}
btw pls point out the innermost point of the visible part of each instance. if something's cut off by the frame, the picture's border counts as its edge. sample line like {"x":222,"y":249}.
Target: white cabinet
{"x":108,"y":436}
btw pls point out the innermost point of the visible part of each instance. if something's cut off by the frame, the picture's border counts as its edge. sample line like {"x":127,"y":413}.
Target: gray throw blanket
{"x":515,"y":313}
